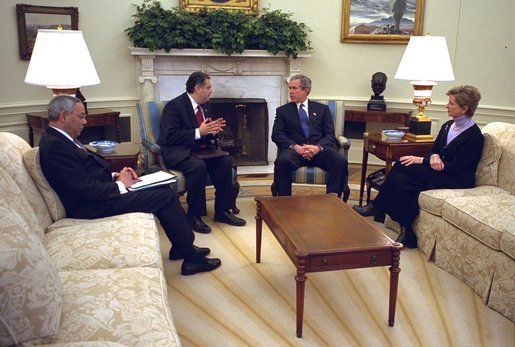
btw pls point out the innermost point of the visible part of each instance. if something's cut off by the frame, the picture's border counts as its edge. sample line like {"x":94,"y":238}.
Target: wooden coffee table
{"x":322,"y":233}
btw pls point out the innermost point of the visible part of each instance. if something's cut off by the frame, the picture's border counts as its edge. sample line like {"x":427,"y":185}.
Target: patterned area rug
{"x":250,"y":188}
{"x":247,"y":304}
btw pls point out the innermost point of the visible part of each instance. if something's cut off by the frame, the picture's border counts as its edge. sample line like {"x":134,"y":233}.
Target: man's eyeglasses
{"x":79,"y":115}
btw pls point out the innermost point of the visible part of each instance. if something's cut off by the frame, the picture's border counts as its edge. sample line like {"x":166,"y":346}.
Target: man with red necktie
{"x":185,"y":127}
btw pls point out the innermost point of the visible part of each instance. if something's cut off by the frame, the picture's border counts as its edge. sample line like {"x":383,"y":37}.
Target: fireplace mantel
{"x":184,"y":61}
{"x":162,"y":75}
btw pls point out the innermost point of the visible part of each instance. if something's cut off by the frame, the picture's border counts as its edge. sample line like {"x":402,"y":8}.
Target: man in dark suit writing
{"x":304,"y":133}
{"x":88,"y":189}
{"x":186,"y":128}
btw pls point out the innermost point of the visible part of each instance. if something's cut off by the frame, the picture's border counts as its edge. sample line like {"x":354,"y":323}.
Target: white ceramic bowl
{"x":393,"y":134}
{"x":104,"y":146}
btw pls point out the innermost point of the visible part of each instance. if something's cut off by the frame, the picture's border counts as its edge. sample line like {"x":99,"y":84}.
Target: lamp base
{"x":419,"y":129}
{"x":418,"y":138}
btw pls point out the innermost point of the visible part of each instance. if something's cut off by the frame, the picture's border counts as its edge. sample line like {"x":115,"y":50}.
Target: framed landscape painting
{"x":247,"y":6}
{"x":381,"y":21}
{"x":31,"y":18}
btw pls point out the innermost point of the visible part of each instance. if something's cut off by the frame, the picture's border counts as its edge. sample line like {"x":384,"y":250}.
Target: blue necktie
{"x":304,"y":121}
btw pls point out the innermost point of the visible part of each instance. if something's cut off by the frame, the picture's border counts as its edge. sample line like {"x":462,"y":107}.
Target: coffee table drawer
{"x":349,"y":260}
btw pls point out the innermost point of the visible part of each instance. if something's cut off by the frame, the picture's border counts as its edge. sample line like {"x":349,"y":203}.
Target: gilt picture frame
{"x":31,"y":18}
{"x":247,"y":6}
{"x":381,"y":21}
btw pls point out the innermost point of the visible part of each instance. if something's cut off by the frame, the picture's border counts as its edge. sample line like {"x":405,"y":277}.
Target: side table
{"x":391,"y":115}
{"x":95,"y":117}
{"x":125,"y":154}
{"x":388,"y":150}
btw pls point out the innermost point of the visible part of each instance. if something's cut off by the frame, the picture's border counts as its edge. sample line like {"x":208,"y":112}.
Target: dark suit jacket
{"x":287,"y":130}
{"x":177,"y":131}
{"x":461,"y":157}
{"x":82,"y":179}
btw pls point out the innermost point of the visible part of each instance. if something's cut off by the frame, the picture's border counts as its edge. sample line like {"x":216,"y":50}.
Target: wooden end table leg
{"x":301,"y":281}
{"x":259,"y":229}
{"x":394,"y":283}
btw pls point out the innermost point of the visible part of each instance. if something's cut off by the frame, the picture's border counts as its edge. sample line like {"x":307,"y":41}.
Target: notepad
{"x":153,"y":180}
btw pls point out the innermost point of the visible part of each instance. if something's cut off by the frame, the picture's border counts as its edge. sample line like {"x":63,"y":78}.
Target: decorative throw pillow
{"x":30,"y":289}
{"x":53,"y":203}
{"x":488,"y":167}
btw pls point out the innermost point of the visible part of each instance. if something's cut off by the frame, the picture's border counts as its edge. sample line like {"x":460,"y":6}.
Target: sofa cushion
{"x":31,"y":292}
{"x":484,"y":217}
{"x":108,"y":305}
{"x":127,"y":240}
{"x":504,"y":134}
{"x":432,"y":200}
{"x":508,"y":241}
{"x":52,"y":201}
{"x":488,"y":167}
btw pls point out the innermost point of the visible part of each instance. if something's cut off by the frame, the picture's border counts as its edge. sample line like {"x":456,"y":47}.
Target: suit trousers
{"x":329,"y":160}
{"x":162,"y":201}
{"x":195,"y":172}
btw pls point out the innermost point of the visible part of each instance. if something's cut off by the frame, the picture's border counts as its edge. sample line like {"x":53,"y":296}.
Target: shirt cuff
{"x":121,"y":187}
{"x":197,"y":134}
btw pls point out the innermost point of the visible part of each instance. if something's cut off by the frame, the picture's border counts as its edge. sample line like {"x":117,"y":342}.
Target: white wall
{"x":480,"y":35}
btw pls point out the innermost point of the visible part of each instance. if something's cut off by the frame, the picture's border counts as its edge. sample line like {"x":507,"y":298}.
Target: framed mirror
{"x":31,"y":18}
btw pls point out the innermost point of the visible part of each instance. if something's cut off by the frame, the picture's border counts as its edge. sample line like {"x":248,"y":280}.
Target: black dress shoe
{"x":366,"y":211}
{"x":199,"y":264}
{"x":228,"y":218}
{"x":407,"y":237}
{"x":198,"y":225}
{"x":370,"y":210}
{"x":202,"y":251}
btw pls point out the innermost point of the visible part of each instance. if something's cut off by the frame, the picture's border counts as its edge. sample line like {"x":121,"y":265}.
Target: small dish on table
{"x":393,"y":134}
{"x":104,"y":146}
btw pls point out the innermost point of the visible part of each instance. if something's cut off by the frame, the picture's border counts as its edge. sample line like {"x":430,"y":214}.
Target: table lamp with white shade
{"x":61,"y":61}
{"x":425,"y":61}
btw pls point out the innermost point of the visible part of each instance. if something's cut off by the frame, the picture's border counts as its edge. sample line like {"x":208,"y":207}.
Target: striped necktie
{"x":304,"y":121}
{"x":79,"y":144}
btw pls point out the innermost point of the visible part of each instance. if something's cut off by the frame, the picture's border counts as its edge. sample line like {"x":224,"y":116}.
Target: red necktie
{"x":200,"y":117}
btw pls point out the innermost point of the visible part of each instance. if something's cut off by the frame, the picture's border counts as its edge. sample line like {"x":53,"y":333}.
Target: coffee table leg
{"x":259,"y":229}
{"x":394,"y":282}
{"x":301,"y":281}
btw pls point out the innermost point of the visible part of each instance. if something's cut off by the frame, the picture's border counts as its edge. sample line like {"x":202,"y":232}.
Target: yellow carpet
{"x":247,"y":304}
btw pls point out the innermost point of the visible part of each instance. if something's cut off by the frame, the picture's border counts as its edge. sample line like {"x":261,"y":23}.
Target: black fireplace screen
{"x":246,"y":134}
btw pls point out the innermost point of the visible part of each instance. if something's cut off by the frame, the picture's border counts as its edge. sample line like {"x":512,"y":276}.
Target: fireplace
{"x":248,"y":76}
{"x":246,"y":134}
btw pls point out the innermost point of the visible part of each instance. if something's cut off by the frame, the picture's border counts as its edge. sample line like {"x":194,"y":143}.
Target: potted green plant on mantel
{"x":226,"y":32}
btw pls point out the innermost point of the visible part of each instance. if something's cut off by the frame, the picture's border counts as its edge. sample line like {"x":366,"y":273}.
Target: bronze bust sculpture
{"x":378,"y":84}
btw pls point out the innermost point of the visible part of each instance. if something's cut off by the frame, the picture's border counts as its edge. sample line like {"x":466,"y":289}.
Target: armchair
{"x":315,"y":175}
{"x":149,"y":116}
